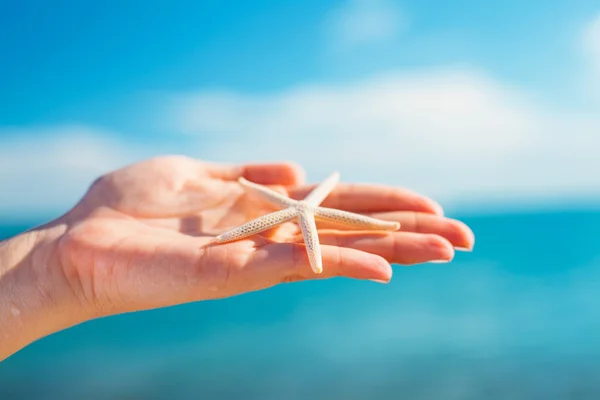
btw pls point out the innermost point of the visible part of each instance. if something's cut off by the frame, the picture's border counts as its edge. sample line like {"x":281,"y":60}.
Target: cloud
{"x":454,"y":133}
{"x":363,"y":22}
{"x":591,"y":38}
{"x":591,"y":46}
{"x":43,"y":170}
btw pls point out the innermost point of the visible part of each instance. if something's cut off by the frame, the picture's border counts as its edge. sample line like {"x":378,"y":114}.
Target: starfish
{"x":305,"y":211}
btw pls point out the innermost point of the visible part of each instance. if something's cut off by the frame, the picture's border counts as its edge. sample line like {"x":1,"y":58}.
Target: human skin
{"x":141,"y":237}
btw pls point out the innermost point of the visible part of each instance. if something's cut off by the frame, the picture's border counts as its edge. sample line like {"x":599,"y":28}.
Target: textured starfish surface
{"x":305,"y":211}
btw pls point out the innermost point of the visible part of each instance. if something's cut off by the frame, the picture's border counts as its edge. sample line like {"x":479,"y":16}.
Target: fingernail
{"x":463,"y":249}
{"x":379,"y":281}
{"x":439,"y":261}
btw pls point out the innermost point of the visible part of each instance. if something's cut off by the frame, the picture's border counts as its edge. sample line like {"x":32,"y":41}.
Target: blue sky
{"x":486,"y":106}
{"x":89,"y":87}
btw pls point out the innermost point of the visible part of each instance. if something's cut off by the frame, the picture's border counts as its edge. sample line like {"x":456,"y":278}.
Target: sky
{"x":482,"y":105}
{"x":489,"y":107}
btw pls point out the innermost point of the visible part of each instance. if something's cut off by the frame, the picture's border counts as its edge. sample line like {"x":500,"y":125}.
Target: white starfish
{"x":306,"y":211}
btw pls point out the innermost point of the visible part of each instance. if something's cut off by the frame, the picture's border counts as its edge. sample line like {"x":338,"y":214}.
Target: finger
{"x":287,"y":262}
{"x":283,"y":173}
{"x":405,"y":248}
{"x":456,"y":232}
{"x":372,"y":198}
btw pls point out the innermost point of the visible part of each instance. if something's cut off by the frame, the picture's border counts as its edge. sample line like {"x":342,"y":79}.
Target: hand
{"x":140,"y":237}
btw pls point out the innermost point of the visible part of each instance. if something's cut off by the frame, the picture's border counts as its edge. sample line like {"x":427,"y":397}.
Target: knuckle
{"x":339,"y":256}
{"x":396,"y":243}
{"x":415,"y":221}
{"x":216,"y":268}
{"x":298,"y":256}
{"x":174,"y":161}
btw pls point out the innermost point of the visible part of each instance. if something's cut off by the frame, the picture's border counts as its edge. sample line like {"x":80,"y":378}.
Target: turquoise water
{"x":519,"y":318}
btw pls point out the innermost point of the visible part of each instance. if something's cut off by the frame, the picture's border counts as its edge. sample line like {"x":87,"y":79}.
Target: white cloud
{"x":44,"y":170}
{"x":591,"y":46}
{"x":455,"y":134}
{"x":360,"y":22}
{"x":592,"y":38}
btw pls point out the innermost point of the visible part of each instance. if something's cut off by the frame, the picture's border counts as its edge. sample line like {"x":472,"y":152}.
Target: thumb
{"x":276,"y":173}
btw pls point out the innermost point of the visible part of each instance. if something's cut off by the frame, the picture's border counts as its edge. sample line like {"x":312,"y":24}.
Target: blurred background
{"x":492,"y":108}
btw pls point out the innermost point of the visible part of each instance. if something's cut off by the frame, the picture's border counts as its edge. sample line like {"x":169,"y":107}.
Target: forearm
{"x":29,"y":307}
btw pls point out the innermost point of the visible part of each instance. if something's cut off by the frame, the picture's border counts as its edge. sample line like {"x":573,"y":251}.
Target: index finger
{"x":287,"y":262}
{"x":365,"y":198}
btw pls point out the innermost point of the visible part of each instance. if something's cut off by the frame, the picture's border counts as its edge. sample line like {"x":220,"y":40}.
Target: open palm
{"x":141,"y":237}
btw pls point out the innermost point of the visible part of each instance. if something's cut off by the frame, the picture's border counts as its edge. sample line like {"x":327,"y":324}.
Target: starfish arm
{"x":257,"y":225}
{"x":354,"y":220}
{"x":322,"y":190}
{"x":311,"y":240}
{"x":267,"y":194}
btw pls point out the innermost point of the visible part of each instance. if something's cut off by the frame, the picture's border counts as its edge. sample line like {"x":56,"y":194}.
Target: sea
{"x":517,"y":318}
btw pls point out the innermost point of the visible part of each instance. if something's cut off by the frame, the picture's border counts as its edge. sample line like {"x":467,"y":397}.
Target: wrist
{"x":34,"y":300}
